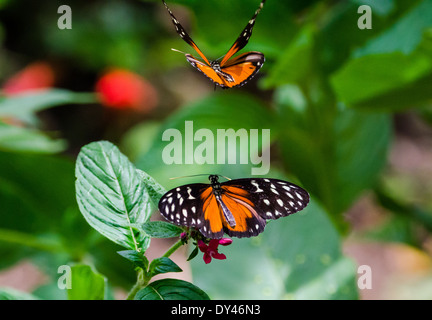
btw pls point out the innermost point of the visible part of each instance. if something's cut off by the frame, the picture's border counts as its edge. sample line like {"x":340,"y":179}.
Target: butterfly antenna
{"x":224,"y":177}
{"x":194,"y":175}
{"x":178,"y":51}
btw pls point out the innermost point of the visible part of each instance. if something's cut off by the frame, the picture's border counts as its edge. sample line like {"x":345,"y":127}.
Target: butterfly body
{"x":230,"y":71}
{"x":237,"y":207}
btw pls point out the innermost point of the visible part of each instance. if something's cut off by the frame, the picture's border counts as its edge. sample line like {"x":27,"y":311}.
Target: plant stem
{"x":174,"y":247}
{"x":141,"y":283}
{"x":143,"y":280}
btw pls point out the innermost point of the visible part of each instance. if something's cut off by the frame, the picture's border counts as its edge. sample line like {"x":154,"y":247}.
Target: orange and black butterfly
{"x":237,"y":207}
{"x":229,"y":72}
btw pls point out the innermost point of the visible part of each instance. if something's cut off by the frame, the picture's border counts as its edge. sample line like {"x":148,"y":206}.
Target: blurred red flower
{"x":123,"y":89}
{"x":35,"y":76}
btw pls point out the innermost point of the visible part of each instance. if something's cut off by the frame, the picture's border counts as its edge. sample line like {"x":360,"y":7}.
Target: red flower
{"x":123,"y":89}
{"x":35,"y":76}
{"x":211,"y":250}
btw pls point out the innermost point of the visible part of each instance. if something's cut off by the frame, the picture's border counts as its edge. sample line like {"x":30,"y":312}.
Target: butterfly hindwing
{"x":272,"y":198}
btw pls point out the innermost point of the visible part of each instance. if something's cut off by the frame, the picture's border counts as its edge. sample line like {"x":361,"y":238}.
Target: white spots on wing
{"x":269,"y":214}
{"x":278,"y":214}
{"x":287,"y":188}
{"x":292,"y":204}
{"x":181,"y":201}
{"x":290,"y":195}
{"x":254,"y":183}
{"x":189,"y":190}
{"x":193,"y":222}
{"x":184,"y":211}
{"x":178,"y":216}
{"x":173,"y":207}
{"x":266,"y":201}
{"x":299,"y":196}
{"x":198,"y":221}
{"x":266,"y":180}
{"x":257,"y":226}
{"x":170,"y":200}
{"x":274,"y":191}
{"x":167,"y":210}
{"x":178,"y":189}
{"x":280,"y":202}
{"x":193,"y":209}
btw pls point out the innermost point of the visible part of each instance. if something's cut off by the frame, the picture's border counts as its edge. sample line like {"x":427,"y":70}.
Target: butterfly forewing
{"x":183,"y":205}
{"x":272,"y":198}
{"x":244,"y":36}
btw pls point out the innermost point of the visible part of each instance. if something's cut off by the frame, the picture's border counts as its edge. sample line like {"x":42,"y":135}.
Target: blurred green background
{"x":350,"y":114}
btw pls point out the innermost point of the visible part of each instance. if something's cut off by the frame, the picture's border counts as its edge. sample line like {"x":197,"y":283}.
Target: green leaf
{"x":163,"y":265}
{"x":21,"y":139}
{"x":403,"y":36}
{"x":171,"y":289}
{"x":373,"y":75}
{"x":289,"y":260}
{"x":221,"y":111}
{"x":193,"y":254}
{"x":24,"y":106}
{"x":338,"y":152}
{"x":111,"y":195}
{"x":294,"y":62}
{"x":12,"y":294}
{"x":161,"y":229}
{"x":154,"y":189}
{"x":138,"y":258}
{"x":87,"y":284}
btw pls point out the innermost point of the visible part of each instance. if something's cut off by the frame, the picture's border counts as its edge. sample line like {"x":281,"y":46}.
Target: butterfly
{"x":238,"y":207}
{"x":229,"y":72}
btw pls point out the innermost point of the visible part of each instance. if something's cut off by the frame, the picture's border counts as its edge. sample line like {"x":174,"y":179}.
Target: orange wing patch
{"x":212,"y":212}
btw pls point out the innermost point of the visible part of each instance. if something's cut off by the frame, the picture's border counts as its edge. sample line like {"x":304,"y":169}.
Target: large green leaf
{"x":12,"y":294}
{"x":393,"y":69}
{"x":111,"y":195}
{"x":297,"y":257}
{"x":221,"y":111}
{"x":336,"y":153}
{"x":22,"y":139}
{"x":86,"y":284}
{"x":171,"y":289}
{"x":24,"y":106}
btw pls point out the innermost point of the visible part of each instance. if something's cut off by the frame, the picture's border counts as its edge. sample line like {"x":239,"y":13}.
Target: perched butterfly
{"x":237,"y":207}
{"x":227,"y":73}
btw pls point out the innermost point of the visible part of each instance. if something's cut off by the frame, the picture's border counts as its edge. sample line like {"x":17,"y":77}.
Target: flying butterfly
{"x":238,"y":207}
{"x":229,"y":72}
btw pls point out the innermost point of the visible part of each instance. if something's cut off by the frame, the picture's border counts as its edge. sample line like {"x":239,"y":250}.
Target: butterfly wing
{"x":239,"y":70}
{"x":243,"y":38}
{"x":243,"y":68}
{"x":183,"y":34}
{"x":264,"y":199}
{"x":183,"y":205}
{"x":207,"y":71}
